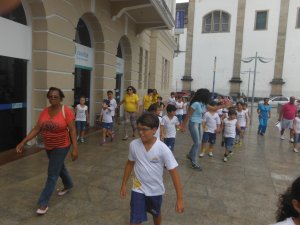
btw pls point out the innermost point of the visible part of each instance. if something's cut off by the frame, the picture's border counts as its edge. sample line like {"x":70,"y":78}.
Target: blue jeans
{"x":56,"y":168}
{"x":263,"y":123}
{"x":170,"y":142}
{"x":196,"y":133}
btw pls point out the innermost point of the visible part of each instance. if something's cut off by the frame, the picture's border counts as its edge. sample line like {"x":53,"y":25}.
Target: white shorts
{"x":287,"y":124}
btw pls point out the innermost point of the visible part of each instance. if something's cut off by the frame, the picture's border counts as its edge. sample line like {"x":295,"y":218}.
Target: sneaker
{"x":63,"y":191}
{"x":82,"y":140}
{"x":295,"y":150}
{"x":230,"y":154}
{"x":292,"y":140}
{"x":282,"y":137}
{"x":261,"y":133}
{"x":210,"y":154}
{"x":42,"y":210}
{"x":201,"y":155}
{"x":125,"y":138}
{"x":225,"y":159}
{"x":188,"y":157}
{"x":196,"y":167}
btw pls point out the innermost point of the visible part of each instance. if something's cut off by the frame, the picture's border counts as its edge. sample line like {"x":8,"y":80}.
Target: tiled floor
{"x":243,"y":191}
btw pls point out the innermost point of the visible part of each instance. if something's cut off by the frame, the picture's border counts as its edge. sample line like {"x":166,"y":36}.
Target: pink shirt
{"x":289,"y":111}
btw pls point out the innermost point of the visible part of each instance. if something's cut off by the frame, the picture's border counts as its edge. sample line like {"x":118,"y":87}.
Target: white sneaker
{"x":292,"y":140}
{"x":295,"y":150}
{"x":42,"y":210}
{"x":225,"y":159}
{"x":282,"y":137}
{"x":210,"y":154}
{"x":201,"y":155}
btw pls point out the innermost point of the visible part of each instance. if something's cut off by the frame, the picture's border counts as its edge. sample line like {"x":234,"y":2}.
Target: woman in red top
{"x":55,"y":122}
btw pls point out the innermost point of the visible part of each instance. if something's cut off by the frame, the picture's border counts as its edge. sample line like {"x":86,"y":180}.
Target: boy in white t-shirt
{"x":147,"y":157}
{"x":82,"y":119}
{"x":112,"y":103}
{"x":296,"y":131}
{"x":242,"y":120}
{"x":179,"y":110}
{"x":106,"y":119}
{"x":169,"y":124}
{"x":211,"y":123}
{"x":230,"y":126}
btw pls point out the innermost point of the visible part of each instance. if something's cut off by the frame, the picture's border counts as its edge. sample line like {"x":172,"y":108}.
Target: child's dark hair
{"x":245,"y":104}
{"x":172,"y":93}
{"x":153,"y":107}
{"x":298,"y":111}
{"x":61,"y":94}
{"x":213,"y":103}
{"x":171,"y":108}
{"x":109,"y":92}
{"x":107,"y":102}
{"x":285,"y":206}
{"x":148,"y":120}
{"x":239,"y":103}
{"x":159,"y":97}
{"x":150,"y":91}
{"x":231,"y":112}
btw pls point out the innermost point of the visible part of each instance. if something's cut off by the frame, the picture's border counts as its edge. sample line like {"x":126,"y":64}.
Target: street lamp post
{"x":249,"y":73}
{"x":214,"y":78}
{"x":248,"y":60}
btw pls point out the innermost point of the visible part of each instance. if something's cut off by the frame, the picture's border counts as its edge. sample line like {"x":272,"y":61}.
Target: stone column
{"x":187,"y":78}
{"x":277,"y":81}
{"x":236,"y":80}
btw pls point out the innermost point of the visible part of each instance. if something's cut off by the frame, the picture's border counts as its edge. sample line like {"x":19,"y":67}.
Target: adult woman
{"x":264,"y":113}
{"x":131,"y":105}
{"x":198,"y":106}
{"x":55,"y":122}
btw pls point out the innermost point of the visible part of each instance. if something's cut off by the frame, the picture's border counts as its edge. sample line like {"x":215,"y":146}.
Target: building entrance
{"x":13,"y":83}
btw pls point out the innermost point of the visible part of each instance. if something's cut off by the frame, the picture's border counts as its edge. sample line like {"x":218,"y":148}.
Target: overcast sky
{"x":179,"y":1}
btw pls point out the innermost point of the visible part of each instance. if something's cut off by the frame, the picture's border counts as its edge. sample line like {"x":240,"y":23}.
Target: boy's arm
{"x":87,"y":116}
{"x":162,"y":132}
{"x":178,"y":187}
{"x":127,"y":172}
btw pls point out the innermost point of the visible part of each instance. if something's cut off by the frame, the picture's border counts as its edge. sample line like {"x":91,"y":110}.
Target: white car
{"x":274,"y":101}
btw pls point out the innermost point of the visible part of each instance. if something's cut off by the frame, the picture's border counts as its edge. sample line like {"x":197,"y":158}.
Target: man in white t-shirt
{"x":147,"y":157}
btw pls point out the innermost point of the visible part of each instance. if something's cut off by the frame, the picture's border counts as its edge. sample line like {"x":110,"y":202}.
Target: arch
{"x":217,"y":21}
{"x":127,"y":56}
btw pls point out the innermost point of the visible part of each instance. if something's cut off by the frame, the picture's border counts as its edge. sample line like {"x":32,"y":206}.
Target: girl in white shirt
{"x":179,"y":110}
{"x":242,"y":121}
{"x":107,"y":121}
{"x":288,"y":211}
{"x":82,"y":118}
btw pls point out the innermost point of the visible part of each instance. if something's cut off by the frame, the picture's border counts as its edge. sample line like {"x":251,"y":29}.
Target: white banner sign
{"x":120,"y":65}
{"x":84,"y":57}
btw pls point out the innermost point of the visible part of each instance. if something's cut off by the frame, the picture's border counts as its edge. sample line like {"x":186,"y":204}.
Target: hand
{"x":179,"y":208}
{"x":20,"y":148}
{"x":123,"y":192}
{"x":74,"y":153}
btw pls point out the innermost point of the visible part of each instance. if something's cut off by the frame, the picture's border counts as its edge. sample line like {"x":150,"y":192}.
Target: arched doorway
{"x":15,"y":54}
{"x":84,"y":61}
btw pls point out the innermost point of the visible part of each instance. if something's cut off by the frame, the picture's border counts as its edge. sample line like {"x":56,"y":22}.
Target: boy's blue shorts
{"x":80,"y":125}
{"x":140,"y":204}
{"x":209,"y":137}
{"x":107,"y":126}
{"x":228,"y":143}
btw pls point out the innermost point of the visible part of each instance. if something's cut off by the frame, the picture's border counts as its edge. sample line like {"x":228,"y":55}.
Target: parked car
{"x":274,"y":101}
{"x":186,"y":94}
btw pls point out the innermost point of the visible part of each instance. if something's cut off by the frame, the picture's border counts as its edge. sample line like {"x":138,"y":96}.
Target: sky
{"x":179,"y":1}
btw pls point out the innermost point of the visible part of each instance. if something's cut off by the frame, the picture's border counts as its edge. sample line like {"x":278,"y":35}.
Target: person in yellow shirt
{"x":131,"y":108}
{"x":155,"y":96}
{"x":147,"y":101}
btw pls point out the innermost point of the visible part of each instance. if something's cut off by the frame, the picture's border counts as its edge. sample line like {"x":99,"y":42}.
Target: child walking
{"x":169,"y":124}
{"x":147,"y":157}
{"x":297,"y":131}
{"x":179,"y":110}
{"x":161,"y":104}
{"x":230,"y":126}
{"x":211,"y":124}
{"x":106,"y":119}
{"x":242,"y":120}
{"x":156,"y":109}
{"x":82,"y":118}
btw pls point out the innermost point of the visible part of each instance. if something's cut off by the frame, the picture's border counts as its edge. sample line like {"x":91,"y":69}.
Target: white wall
{"x":262,"y":41}
{"x":15,"y":39}
{"x":291,"y":71}
{"x":179,"y":63}
{"x":208,"y":45}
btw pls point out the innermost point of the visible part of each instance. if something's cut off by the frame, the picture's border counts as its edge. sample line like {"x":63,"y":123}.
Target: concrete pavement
{"x":242,"y":191}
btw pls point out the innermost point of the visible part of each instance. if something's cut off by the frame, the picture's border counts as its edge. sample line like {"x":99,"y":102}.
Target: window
{"x":216,"y":22}
{"x":298,"y":19}
{"x":261,"y":20}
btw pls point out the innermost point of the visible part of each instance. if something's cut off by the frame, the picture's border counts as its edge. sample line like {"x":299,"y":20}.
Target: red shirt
{"x":55,"y":130}
{"x":289,"y":111}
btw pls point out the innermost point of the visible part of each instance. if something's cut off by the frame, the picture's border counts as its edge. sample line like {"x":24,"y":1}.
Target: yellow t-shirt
{"x":131,"y":102}
{"x":147,"y":101}
{"x":154,"y":98}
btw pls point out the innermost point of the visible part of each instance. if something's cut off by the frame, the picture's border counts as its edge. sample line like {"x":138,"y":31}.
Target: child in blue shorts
{"x":148,"y":156}
{"x":230,"y":125}
{"x":107,"y":121}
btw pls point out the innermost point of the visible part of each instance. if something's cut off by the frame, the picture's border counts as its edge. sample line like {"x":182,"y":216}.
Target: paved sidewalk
{"x":243,"y":191}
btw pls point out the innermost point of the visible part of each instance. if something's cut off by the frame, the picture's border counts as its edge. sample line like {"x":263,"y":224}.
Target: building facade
{"x":84,"y":47}
{"x":233,"y":32}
